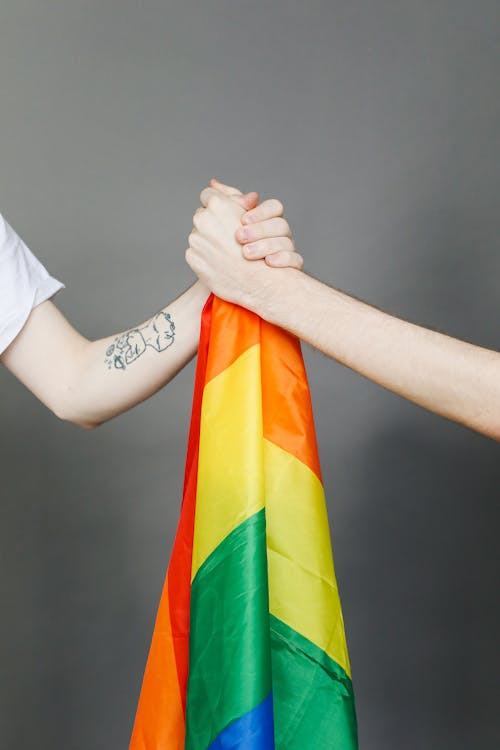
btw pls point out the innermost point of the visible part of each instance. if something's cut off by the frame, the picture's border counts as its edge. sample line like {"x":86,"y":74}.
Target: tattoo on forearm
{"x":158,"y":334}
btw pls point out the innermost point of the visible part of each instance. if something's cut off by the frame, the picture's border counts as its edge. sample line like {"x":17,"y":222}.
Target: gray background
{"x":377,"y":124}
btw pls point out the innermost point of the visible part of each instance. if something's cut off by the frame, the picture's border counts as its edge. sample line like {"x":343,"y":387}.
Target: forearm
{"x":89,"y":382}
{"x":452,"y":378}
{"x":107,"y":384}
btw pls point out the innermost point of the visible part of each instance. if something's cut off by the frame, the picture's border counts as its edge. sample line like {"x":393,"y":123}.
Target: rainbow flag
{"x":249,"y":650}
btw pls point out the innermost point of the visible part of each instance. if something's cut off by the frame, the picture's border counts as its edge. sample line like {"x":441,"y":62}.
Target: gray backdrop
{"x":377,"y":124}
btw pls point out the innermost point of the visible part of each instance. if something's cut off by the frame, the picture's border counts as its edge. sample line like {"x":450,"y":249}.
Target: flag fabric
{"x":249,"y":650}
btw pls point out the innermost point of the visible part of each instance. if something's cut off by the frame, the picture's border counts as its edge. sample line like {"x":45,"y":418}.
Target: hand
{"x":266,"y":235}
{"x":215,"y":253}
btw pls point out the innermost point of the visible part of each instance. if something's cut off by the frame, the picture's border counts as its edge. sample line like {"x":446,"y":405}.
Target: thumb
{"x":224,"y":189}
{"x":247,"y":201}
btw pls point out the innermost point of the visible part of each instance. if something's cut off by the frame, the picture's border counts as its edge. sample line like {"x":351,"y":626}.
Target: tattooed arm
{"x":158,"y":333}
{"x":89,"y":382}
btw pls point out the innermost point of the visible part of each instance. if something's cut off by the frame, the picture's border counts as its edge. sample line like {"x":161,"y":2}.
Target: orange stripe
{"x":286,"y":402}
{"x":234,"y":330}
{"x":159,"y":722}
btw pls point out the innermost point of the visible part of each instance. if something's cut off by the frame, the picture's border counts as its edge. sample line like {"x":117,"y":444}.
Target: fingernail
{"x":249,"y":217}
{"x":251,"y":250}
{"x":243,"y":234}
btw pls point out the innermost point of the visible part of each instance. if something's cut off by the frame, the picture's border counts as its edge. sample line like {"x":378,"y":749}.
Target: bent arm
{"x":89,"y":382}
{"x":458,"y":380}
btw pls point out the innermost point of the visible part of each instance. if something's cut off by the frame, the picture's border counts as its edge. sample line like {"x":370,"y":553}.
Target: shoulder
{"x":6,"y":233}
{"x":17,"y":263}
{"x":24,"y":283}
{"x":11,"y":245}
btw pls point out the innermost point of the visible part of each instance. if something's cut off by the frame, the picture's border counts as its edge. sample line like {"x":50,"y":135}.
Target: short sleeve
{"x":24,"y":284}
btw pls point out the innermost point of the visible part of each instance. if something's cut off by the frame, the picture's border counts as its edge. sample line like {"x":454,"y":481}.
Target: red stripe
{"x":179,"y":571}
{"x":160,"y":718}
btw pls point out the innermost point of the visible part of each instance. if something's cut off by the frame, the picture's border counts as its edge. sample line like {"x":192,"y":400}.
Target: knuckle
{"x":282,"y":226}
{"x":204,"y":196}
{"x":194,"y":239}
{"x":215,"y":201}
{"x":200,"y":220}
{"x":277,"y":206}
{"x":251,"y":216}
{"x":273,"y":259}
{"x":257,"y":249}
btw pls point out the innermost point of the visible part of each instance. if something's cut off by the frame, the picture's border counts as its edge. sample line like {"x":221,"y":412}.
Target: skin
{"x":89,"y":382}
{"x":452,"y":378}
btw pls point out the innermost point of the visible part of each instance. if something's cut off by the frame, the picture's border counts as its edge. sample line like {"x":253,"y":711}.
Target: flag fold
{"x":249,"y":649}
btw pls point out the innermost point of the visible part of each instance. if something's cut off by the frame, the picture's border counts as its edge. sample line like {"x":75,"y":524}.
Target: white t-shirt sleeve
{"x":24,"y":284}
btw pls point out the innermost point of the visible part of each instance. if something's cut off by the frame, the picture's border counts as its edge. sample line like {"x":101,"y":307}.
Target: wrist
{"x":273,"y":293}
{"x":199,"y":290}
{"x":197,"y":294}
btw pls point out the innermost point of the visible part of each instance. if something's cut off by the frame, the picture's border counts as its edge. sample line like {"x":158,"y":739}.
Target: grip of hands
{"x":236,"y":240}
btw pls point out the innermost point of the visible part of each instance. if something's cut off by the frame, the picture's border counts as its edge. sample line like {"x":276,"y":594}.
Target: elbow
{"x":492,"y":430}
{"x":66,"y":414}
{"x":79,"y":421}
{"x":489,"y":424}
{"x":86,"y":425}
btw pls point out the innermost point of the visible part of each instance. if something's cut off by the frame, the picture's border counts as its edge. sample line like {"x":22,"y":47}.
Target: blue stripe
{"x":253,"y":731}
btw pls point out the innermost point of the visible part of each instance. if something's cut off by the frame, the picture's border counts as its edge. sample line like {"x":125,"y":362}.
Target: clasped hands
{"x":229,"y":230}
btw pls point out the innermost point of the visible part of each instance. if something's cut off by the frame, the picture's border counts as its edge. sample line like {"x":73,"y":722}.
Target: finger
{"x":200,"y":246}
{"x":196,"y":219}
{"x":196,"y":239}
{"x":276,"y":227}
{"x":270,"y":245}
{"x":247,"y":201}
{"x":191,"y":259}
{"x":214,"y":224}
{"x":202,"y":220}
{"x":213,"y":198}
{"x":285,"y":259}
{"x":210,"y":194}
{"x":268,"y":209}
{"x":224,"y":189}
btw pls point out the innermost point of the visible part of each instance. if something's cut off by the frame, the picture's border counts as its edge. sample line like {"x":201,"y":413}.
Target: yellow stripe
{"x":230,"y":465}
{"x":302,"y":587}
{"x":233,"y":456}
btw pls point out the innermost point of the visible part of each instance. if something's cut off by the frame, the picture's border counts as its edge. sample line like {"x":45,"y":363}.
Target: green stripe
{"x":313,"y":697}
{"x":229,"y":646}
